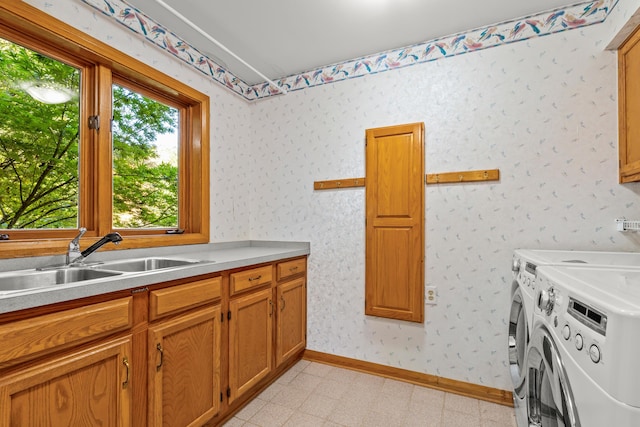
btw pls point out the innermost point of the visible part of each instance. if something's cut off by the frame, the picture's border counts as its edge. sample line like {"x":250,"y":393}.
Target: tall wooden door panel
{"x":395,"y":222}
{"x":250,"y":341}
{"x":184,"y":369}
{"x":88,"y":388}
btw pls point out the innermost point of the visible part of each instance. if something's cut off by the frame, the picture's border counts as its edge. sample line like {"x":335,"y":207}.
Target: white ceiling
{"x":284,"y":37}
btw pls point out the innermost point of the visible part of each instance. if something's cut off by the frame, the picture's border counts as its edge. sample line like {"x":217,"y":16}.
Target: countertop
{"x":213,"y":257}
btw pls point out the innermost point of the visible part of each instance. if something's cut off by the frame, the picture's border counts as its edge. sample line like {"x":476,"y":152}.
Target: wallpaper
{"x":576,"y":16}
{"x":543,"y":111}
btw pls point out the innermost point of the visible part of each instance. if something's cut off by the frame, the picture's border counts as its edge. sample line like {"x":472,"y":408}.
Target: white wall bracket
{"x":627,"y":225}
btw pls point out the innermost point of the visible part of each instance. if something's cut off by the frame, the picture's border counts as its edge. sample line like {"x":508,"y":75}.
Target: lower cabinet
{"x":184,"y":369}
{"x":291,"y":331}
{"x":179,"y":354}
{"x":90,"y":387}
{"x":250,"y":341}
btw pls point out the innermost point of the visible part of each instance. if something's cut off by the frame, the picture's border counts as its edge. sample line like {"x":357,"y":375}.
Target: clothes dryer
{"x":582,"y":368}
{"x":523,"y":289}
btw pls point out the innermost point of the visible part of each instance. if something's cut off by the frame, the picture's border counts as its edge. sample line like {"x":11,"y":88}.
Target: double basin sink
{"x":29,"y":279}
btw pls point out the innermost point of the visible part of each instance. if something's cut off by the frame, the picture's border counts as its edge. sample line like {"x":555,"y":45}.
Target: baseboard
{"x":476,"y":391}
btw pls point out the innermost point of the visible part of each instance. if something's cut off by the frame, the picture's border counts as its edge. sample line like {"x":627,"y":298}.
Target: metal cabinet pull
{"x":282,"y":303}
{"x":251,"y":279}
{"x":159,"y":347}
{"x":125,"y":362}
{"x":271,"y":308}
{"x":292,"y":269}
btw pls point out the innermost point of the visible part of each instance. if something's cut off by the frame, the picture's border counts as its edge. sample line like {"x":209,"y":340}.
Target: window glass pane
{"x":39,"y":134}
{"x":145,"y":161}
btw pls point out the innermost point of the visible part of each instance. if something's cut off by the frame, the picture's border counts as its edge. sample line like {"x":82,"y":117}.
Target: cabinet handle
{"x":271,"y":307}
{"x":159,"y":347}
{"x":292,"y":269}
{"x":125,"y":362}
{"x":282,"y":303}
{"x":251,"y":279}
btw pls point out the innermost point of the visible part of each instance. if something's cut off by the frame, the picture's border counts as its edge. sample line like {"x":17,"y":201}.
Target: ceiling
{"x":280,"y":38}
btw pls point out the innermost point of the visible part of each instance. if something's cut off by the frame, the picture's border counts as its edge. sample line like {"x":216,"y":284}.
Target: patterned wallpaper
{"x":543,"y":111}
{"x":572,"y":17}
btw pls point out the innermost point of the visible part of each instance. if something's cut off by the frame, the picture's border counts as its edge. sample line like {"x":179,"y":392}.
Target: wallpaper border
{"x":550,"y":22}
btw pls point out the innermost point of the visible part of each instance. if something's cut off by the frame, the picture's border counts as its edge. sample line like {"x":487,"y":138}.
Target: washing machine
{"x":582,"y":368}
{"x":523,"y":290}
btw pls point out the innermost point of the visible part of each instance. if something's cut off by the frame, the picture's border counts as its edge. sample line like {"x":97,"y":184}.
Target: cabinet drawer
{"x":30,"y":338}
{"x":250,"y":279}
{"x":291,"y":268}
{"x":183,"y":297}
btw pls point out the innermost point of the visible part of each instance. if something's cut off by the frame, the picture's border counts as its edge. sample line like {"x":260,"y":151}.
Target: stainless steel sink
{"x":28,"y":279}
{"x":144,"y":264}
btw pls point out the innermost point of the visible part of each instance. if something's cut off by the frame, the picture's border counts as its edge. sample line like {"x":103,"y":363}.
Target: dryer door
{"x":518,"y":341}
{"x":550,"y":399}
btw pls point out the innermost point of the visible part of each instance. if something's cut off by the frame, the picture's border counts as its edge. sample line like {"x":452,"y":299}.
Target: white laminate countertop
{"x":213,"y":257}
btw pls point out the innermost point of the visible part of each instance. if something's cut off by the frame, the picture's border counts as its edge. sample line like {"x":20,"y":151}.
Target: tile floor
{"x":313,"y":394}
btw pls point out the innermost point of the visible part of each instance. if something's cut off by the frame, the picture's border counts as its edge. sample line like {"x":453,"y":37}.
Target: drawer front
{"x":291,"y":268}
{"x":30,"y":338}
{"x":250,"y":279}
{"x":183,"y":297}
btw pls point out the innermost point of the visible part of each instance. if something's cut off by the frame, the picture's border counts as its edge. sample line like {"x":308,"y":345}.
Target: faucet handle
{"x":81,"y":232}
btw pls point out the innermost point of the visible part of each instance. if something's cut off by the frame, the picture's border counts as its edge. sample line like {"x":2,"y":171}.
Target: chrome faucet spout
{"x":111,"y":237}
{"x":73,"y":252}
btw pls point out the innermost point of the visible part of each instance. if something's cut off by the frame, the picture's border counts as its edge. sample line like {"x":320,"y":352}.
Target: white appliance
{"x":524,"y":267}
{"x":582,"y":362}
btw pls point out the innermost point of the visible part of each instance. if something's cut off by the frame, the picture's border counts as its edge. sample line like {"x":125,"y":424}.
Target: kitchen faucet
{"x":74,"y":256}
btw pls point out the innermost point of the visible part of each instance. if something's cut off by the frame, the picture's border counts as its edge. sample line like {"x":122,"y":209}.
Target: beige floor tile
{"x":318,"y":369}
{"x":332,"y":388}
{"x":397,"y":388}
{"x":395,"y":406}
{"x":251,"y":409}
{"x":503,"y":415}
{"x":291,"y":397}
{"x":426,"y":400}
{"x":382,"y":419}
{"x":300,"y":419}
{"x":423,"y":420}
{"x":305,"y":381}
{"x":288,"y":376}
{"x":347,"y":418}
{"x":341,"y":375}
{"x":271,"y":391}
{"x":491,"y":423}
{"x":459,"y":419}
{"x":234,"y":422}
{"x":319,"y":406}
{"x":271,"y":415}
{"x":466,"y":405}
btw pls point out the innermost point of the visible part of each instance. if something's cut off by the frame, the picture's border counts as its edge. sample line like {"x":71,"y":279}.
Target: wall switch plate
{"x":431,"y":295}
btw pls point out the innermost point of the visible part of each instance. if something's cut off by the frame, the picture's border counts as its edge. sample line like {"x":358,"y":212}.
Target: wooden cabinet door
{"x":87,"y":388}
{"x":291,"y":331}
{"x":395,"y":222}
{"x":250,"y":341}
{"x":629,"y":106}
{"x":184,"y":369}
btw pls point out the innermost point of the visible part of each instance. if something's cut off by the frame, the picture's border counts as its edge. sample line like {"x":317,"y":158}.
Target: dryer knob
{"x":546,"y":300}
{"x":594,"y":353}
{"x":579,"y":342}
{"x":566,"y":332}
{"x":515,"y":265}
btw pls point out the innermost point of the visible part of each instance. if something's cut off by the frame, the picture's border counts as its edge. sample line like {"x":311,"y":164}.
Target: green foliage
{"x":39,"y":151}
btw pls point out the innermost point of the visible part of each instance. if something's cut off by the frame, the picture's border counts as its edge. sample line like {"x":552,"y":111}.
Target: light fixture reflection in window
{"x":47,"y":93}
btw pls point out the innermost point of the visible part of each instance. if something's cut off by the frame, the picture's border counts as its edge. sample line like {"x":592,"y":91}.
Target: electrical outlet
{"x":431,"y":295}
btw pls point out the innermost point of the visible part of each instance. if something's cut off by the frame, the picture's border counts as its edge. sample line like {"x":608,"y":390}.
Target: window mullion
{"x":103,"y":208}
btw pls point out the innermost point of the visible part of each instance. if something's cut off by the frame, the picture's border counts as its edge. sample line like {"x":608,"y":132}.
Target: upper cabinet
{"x":629,"y":105}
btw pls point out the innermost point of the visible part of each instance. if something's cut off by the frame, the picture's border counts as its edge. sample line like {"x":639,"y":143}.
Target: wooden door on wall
{"x":395,"y":222}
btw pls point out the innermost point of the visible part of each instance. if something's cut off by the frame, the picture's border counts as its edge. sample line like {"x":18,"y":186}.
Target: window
{"x":92,"y":138}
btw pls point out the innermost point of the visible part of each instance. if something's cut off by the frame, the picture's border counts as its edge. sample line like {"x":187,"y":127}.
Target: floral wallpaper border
{"x":572,"y":17}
